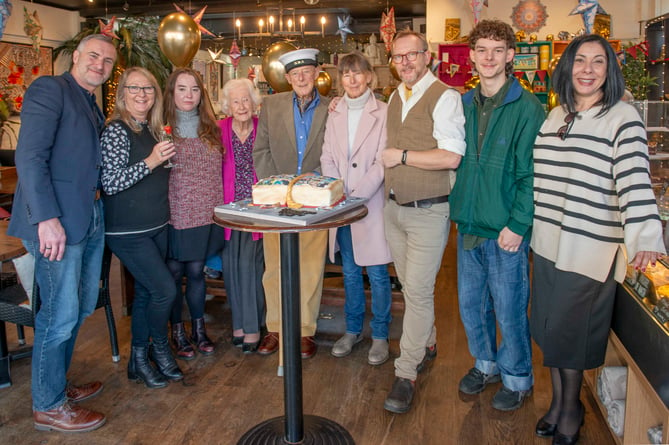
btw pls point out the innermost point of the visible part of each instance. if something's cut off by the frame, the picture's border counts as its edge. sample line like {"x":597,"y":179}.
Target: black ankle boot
{"x":200,"y":339}
{"x":160,"y":353}
{"x":184,"y":350}
{"x":140,"y":369}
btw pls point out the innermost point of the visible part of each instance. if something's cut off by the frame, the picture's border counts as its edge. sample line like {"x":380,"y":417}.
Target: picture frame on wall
{"x":20,"y":65}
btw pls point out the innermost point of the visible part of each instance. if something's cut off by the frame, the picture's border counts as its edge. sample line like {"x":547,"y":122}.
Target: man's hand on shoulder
{"x":52,"y":239}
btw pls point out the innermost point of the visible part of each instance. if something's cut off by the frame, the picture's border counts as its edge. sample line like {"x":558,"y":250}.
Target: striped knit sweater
{"x":593,"y":200}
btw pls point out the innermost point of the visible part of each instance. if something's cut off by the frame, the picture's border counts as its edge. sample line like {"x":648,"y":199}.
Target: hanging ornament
{"x":453,"y":69}
{"x":343,"y":27}
{"x":235,"y":54}
{"x":477,"y":7}
{"x":108,"y":29}
{"x":588,"y":10}
{"x":251,"y":74}
{"x":5,"y":12}
{"x":32,"y":27}
{"x":529,"y":15}
{"x":179,"y":38}
{"x":388,"y":27}
{"x":197,"y":18}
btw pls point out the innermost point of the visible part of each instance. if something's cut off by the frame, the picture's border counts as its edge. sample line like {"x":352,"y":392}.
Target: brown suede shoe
{"x":83,"y":392}
{"x":307,"y":347}
{"x":269,"y":344}
{"x":68,"y":419}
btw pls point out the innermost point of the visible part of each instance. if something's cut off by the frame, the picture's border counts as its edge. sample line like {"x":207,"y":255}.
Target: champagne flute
{"x":166,"y":135}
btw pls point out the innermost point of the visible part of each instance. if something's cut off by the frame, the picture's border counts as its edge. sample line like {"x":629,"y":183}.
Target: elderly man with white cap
{"x":289,"y":139}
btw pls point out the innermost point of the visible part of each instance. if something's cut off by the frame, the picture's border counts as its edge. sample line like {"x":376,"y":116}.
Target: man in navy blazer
{"x":58,"y":215}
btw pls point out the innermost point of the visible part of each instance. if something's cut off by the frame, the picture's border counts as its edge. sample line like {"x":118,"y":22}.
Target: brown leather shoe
{"x":307,"y":347}
{"x":83,"y":392}
{"x":269,"y":344}
{"x":68,"y":419}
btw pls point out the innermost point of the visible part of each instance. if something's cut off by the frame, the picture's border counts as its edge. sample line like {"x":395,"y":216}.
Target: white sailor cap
{"x":299,"y":57}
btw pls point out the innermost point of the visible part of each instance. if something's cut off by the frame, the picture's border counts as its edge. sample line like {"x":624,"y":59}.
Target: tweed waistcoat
{"x":415,"y":134}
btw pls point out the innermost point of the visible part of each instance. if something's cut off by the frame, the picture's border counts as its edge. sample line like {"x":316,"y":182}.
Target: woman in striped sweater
{"x":594,"y":212}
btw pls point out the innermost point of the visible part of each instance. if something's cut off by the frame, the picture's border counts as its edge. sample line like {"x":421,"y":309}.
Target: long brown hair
{"x":208,"y":129}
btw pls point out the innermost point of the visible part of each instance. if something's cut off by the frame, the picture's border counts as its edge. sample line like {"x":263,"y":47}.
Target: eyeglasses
{"x":568,"y":122}
{"x":410,"y":56}
{"x":134,"y":89}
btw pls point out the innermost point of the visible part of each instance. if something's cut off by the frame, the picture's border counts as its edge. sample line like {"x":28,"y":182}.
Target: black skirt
{"x":570,"y":316}
{"x":195,"y":244}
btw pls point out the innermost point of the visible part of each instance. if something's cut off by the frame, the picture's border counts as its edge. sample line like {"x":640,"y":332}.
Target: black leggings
{"x":195,"y":288}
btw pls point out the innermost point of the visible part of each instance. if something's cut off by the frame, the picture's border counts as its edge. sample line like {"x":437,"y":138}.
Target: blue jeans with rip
{"x":493,"y":287}
{"x":68,"y":294}
{"x":354,"y":305}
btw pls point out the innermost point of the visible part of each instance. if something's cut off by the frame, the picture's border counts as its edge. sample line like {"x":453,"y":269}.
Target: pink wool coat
{"x":362,"y":175}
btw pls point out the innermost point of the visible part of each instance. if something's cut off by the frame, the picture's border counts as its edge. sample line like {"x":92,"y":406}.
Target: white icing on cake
{"x":311,"y":191}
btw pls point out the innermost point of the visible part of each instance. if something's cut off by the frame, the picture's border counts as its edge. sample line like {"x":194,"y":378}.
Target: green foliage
{"x":637,"y":78}
{"x":138,"y":45}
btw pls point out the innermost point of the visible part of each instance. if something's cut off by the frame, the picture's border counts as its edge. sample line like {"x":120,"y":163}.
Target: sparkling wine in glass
{"x":166,"y":135}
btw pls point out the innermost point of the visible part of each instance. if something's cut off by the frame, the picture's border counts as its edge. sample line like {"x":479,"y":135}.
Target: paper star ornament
{"x":343,"y":27}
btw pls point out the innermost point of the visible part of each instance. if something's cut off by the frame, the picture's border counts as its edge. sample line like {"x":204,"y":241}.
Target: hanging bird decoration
{"x":108,"y":29}
{"x":588,"y":10}
{"x":477,"y":7}
{"x":235,"y":54}
{"x":343,"y":27}
{"x":5,"y":12}
{"x":197,"y":18}
{"x":32,"y":27}
{"x":388,"y":27}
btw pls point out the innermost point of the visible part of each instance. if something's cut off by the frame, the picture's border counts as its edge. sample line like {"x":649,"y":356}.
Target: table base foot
{"x":317,"y":431}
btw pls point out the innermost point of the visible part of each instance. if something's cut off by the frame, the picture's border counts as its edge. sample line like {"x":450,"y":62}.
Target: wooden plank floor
{"x":226,"y":394}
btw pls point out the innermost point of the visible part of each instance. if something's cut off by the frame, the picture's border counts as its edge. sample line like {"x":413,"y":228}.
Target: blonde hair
{"x":121,"y":112}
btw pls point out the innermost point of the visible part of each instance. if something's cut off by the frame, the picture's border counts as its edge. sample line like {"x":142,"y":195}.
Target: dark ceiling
{"x":219,"y":12}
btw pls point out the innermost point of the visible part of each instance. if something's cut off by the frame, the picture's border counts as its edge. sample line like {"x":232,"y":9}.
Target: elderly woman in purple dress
{"x":243,"y":260}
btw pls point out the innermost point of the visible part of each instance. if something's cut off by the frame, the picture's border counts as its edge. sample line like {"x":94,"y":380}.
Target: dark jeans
{"x":144,"y":256}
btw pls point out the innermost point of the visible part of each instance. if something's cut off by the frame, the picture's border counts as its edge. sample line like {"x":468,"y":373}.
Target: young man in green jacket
{"x":492,"y":204}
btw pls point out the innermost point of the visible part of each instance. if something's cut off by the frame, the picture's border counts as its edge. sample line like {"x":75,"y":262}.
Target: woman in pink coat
{"x":355,"y":136}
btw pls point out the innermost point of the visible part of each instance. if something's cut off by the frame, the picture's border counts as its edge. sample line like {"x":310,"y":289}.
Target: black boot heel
{"x":141,"y":371}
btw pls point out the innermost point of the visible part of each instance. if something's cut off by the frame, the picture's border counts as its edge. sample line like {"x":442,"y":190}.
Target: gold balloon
{"x":526,"y":85}
{"x":324,"y":83}
{"x":553,"y":63}
{"x":274,"y":71}
{"x":179,"y":38}
{"x":393,"y":70}
{"x":472,"y":82}
{"x":552,"y":100}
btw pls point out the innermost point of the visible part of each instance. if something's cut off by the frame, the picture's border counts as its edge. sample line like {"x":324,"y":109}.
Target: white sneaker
{"x":344,"y":345}
{"x":378,"y":353}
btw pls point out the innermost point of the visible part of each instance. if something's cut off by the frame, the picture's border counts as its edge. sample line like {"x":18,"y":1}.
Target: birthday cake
{"x":298,"y":191}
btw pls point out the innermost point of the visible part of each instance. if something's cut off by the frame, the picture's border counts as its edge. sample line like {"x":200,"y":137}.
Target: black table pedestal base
{"x":317,"y":431}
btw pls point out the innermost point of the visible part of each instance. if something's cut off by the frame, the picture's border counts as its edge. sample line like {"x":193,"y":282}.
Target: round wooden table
{"x":293,"y":427}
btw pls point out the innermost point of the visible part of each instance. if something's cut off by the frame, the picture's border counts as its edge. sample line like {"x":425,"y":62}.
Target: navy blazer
{"x":57,"y":159}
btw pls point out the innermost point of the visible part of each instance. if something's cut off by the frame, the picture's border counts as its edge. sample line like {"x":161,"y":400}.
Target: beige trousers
{"x":313,"y":248}
{"x":417,"y":239}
